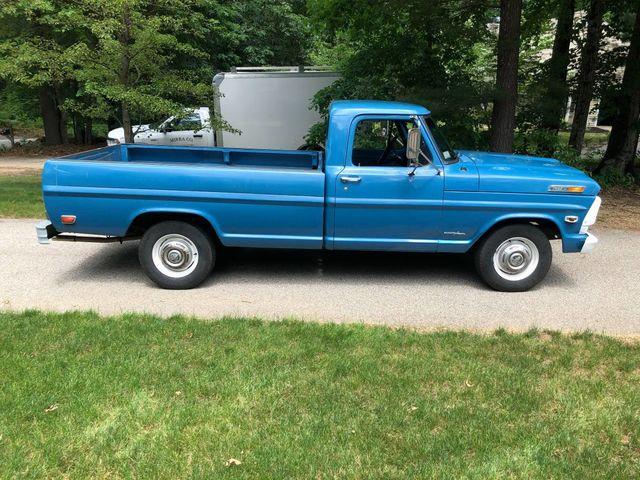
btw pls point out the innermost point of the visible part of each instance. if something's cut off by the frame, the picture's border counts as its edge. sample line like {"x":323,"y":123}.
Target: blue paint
{"x":297,"y":199}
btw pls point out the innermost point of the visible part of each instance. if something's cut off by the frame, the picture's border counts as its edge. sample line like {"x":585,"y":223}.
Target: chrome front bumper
{"x":589,"y":244}
{"x":589,"y":219}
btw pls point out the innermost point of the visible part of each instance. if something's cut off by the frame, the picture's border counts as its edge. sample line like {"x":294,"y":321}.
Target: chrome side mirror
{"x":413,"y":145}
{"x":414,"y":137}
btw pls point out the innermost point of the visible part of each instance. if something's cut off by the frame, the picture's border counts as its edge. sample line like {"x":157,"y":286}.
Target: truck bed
{"x":250,"y":197}
{"x":305,"y":159}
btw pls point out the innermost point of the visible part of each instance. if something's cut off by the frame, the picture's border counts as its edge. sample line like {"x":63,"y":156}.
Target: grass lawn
{"x":139,"y":396}
{"x":20,"y":197}
{"x":591,"y":139}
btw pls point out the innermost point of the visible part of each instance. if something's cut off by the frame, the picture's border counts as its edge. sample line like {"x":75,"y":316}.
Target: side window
{"x":382,"y":143}
{"x":190,"y":122}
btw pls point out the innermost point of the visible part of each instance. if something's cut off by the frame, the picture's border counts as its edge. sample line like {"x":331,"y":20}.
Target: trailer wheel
{"x":514,"y":258}
{"x":176,"y":255}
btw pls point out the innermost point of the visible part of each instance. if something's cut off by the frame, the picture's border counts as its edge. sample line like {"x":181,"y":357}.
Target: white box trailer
{"x":271,"y":106}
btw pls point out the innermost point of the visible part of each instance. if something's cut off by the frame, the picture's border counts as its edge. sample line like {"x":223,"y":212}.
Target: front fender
{"x":517,"y":218}
{"x":468,"y":216}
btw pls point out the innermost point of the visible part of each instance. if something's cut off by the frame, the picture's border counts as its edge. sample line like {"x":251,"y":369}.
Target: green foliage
{"x":143,"y":59}
{"x":18,"y":107}
{"x":611,"y":177}
{"x":548,"y":144}
{"x":33,"y":38}
{"x":126,"y":58}
{"x":107,"y":59}
{"x":271,"y":33}
{"x":538,"y":142}
{"x":434,"y":53}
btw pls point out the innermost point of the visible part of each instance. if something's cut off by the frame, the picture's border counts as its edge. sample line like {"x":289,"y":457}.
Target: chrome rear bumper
{"x":45,"y":231}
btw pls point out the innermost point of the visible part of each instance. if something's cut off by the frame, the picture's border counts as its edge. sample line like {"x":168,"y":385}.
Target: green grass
{"x":139,"y":396}
{"x":20,"y":197}
{"x":591,"y":139}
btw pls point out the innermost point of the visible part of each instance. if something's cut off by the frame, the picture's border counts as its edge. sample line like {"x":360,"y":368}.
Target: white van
{"x":270,"y":106}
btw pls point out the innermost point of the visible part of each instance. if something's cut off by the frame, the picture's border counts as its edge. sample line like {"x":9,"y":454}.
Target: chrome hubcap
{"x":516,"y":258}
{"x":175,"y":255}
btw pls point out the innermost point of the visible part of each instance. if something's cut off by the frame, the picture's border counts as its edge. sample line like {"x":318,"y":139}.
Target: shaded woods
{"x":518,"y":75}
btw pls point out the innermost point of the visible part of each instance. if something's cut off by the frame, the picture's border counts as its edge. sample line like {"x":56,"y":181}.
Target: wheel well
{"x":144,"y":221}
{"x":548,"y":227}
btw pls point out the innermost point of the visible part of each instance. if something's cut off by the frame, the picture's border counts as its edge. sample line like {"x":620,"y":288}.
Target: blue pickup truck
{"x":388,"y":181}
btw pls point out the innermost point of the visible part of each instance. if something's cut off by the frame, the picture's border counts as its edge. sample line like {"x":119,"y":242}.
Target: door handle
{"x":347,"y":179}
{"x":197,"y":136}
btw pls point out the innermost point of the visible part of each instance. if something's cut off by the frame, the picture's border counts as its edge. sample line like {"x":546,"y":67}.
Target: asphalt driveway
{"x":599,"y":292}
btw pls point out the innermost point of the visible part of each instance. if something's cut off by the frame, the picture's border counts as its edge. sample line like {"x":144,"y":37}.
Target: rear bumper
{"x":45,"y":231}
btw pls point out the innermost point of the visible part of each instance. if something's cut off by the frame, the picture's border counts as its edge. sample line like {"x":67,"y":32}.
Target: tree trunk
{"x":503,"y":116}
{"x":78,"y":132}
{"x":623,"y":141}
{"x":54,"y":133}
{"x":126,"y":124}
{"x":556,"y":93}
{"x":82,"y":129}
{"x":88,"y":131}
{"x":587,"y":74}
{"x":124,"y":38}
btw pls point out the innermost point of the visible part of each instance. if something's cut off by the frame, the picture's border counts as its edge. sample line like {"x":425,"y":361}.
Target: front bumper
{"x":590,"y":218}
{"x":589,"y":244}
{"x":583,"y":242}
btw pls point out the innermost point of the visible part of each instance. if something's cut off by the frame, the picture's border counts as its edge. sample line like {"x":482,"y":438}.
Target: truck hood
{"x":509,"y":173}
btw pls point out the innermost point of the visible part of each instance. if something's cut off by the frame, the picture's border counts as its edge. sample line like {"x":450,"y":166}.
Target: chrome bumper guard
{"x":45,"y":232}
{"x":589,"y":244}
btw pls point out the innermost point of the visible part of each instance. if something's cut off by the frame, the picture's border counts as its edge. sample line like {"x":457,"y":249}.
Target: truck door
{"x":185,"y":131}
{"x":152,"y":136}
{"x":378,"y":204}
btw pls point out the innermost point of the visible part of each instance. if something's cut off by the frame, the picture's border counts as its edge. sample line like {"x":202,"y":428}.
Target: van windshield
{"x":448,"y":153}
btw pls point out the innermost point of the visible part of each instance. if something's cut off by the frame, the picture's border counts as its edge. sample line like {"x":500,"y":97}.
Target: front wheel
{"x":514,"y":258}
{"x":176,"y":255}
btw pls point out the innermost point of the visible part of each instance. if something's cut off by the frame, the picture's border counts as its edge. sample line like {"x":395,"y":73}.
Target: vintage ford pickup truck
{"x":388,"y":181}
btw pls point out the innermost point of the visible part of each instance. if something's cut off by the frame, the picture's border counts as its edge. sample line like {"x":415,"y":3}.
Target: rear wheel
{"x":176,"y":255}
{"x":514,"y":258}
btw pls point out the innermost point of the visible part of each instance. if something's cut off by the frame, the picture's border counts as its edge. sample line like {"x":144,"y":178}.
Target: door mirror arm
{"x":414,"y":166}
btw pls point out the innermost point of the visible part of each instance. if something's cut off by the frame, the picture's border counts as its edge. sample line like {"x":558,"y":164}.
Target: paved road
{"x":10,"y":165}
{"x":599,"y":292}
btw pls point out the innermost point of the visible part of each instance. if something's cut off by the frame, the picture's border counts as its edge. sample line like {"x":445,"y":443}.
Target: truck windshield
{"x":448,"y":153}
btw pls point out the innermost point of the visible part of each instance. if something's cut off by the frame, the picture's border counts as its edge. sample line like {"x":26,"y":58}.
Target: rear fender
{"x":155,"y":215}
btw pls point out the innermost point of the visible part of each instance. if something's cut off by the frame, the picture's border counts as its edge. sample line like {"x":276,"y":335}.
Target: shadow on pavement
{"x":120,"y":263}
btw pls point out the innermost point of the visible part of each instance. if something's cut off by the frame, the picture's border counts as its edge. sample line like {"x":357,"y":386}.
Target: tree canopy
{"x":133,"y":61}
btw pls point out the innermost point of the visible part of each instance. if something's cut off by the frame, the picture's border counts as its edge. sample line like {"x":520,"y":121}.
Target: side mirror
{"x":414,"y":138}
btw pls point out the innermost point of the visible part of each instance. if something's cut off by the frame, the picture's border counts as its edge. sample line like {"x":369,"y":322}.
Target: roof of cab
{"x":364,"y":107}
